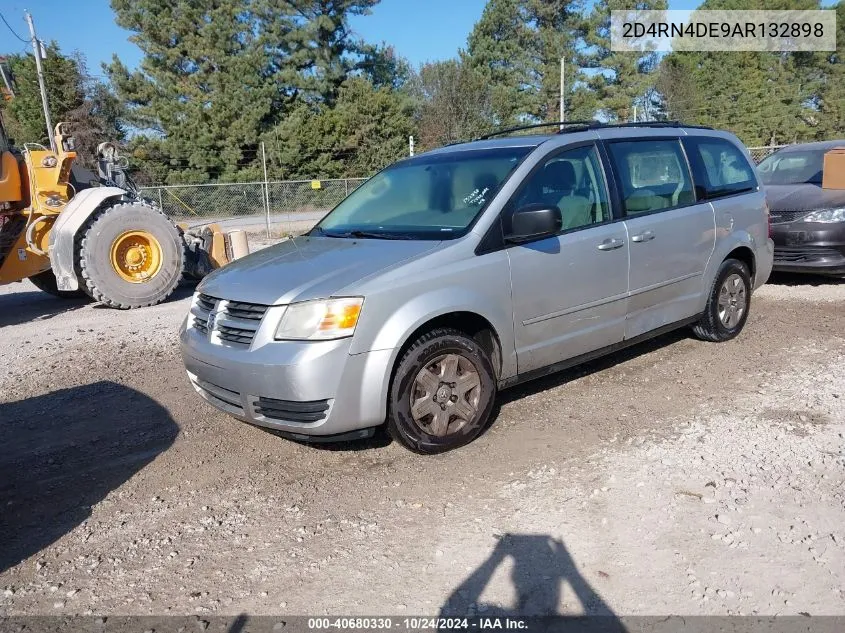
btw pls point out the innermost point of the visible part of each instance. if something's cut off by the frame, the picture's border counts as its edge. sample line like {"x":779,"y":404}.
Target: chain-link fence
{"x":759,"y":153}
{"x":279,"y":207}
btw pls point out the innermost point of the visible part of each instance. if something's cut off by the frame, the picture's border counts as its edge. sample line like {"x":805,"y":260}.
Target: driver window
{"x":573,"y":182}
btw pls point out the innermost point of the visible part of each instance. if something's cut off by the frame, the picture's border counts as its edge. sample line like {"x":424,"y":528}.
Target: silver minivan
{"x":460,"y":272}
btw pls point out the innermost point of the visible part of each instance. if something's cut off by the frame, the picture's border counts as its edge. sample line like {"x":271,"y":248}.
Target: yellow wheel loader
{"x":105,"y":240}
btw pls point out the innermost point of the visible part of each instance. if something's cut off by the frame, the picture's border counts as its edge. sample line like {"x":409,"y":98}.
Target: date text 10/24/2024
{"x":419,"y":623}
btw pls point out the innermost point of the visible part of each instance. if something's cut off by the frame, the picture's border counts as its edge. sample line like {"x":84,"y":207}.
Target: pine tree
{"x":764,"y":98}
{"x":217,"y":74}
{"x":619,"y":80}
{"x":92,"y":111}
{"x":517,"y":46}
{"x":312,"y":45}
{"x":65,"y":93}
{"x":366,"y":129}
{"x":204,"y":84}
{"x":828,"y":71}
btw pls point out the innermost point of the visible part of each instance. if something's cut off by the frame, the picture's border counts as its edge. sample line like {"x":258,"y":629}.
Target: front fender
{"x":395,"y":330}
{"x":67,"y":225}
{"x":382,"y":339}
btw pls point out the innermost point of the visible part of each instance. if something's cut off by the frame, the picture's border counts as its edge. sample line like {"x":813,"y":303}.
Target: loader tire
{"x":46,"y":281}
{"x":130,"y":255}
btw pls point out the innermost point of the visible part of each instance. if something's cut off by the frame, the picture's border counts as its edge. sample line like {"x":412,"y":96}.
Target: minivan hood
{"x":305,"y":268}
{"x":803,"y":197}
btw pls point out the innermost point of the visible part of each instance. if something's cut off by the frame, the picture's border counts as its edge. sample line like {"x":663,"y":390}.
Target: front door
{"x":671,"y":236}
{"x":569,"y":291}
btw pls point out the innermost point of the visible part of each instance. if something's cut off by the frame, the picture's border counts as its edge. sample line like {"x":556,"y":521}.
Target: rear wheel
{"x":442,"y":392}
{"x":130,"y":256}
{"x":728,"y":304}
{"x":46,"y":281}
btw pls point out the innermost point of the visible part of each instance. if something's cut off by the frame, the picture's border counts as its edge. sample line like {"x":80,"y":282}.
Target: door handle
{"x":643,"y":237}
{"x":610,"y":244}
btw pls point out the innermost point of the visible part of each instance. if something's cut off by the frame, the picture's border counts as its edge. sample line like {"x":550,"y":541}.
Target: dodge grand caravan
{"x":462,"y":271}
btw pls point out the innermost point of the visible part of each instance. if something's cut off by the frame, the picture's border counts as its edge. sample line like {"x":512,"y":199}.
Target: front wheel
{"x":728,"y":304}
{"x":442,"y":392}
{"x":130,"y":256}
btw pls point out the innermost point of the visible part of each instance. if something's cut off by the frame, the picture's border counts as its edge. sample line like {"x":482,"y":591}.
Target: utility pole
{"x":562,"y":84}
{"x":36,"y":48}
{"x":266,"y":195}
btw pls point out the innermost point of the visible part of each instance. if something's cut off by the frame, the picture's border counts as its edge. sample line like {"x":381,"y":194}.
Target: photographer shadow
{"x":541,"y":568}
{"x":64,"y":452}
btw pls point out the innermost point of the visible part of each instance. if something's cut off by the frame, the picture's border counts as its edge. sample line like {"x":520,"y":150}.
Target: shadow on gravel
{"x":63,"y":452}
{"x":543,"y":576}
{"x":381,"y":438}
{"x":592,"y":367}
{"x":22,"y":307}
{"x":797,"y":279}
{"x":184,"y":290}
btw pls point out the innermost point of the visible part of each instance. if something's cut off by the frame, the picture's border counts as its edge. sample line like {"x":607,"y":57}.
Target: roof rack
{"x":568,"y":127}
{"x":533,"y":126}
{"x":657,"y":124}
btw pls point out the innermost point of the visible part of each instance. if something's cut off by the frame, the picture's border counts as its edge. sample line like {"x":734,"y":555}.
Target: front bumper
{"x":809,"y":247}
{"x":299,"y":388}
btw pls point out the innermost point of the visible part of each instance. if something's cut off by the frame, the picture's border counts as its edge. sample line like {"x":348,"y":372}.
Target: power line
{"x":13,"y":30}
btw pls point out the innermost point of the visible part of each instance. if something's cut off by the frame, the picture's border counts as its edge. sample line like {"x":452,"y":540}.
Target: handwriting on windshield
{"x":477,"y":197}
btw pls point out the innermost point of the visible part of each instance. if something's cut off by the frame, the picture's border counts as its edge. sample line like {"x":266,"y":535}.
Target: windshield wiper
{"x":366,"y":234}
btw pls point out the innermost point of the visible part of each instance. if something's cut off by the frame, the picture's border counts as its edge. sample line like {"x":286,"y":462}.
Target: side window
{"x":653,"y":174}
{"x":573,"y":182}
{"x":724,"y":169}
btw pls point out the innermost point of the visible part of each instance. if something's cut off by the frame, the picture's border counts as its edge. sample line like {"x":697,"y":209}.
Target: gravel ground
{"x":675,"y":477}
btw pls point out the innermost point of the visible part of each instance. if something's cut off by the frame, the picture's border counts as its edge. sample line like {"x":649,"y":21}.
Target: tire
{"x":46,"y":281}
{"x":713,"y":327}
{"x":425,"y":437}
{"x":114,"y":226}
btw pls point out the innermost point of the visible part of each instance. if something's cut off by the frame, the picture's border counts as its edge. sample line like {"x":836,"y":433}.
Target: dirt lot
{"x":678,"y":477}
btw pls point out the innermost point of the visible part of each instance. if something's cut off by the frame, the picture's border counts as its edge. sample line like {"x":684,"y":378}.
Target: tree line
{"x":221,"y":79}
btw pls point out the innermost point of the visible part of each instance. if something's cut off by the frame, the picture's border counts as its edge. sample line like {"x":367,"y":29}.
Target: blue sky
{"x":421,"y":30}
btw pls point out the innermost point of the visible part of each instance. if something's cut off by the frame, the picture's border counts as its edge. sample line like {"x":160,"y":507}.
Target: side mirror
{"x":534,"y":221}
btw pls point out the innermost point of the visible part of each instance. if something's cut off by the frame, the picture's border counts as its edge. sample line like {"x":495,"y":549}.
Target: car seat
{"x":558,"y":188}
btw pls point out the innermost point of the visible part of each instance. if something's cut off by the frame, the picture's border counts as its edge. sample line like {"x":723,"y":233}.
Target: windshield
{"x":431,"y":197}
{"x":792,"y":168}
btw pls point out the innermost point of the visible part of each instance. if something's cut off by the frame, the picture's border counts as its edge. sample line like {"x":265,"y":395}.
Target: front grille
{"x":241,"y":310}
{"x":206,"y":303}
{"x":292,"y":411}
{"x":784,"y":217}
{"x":235,"y":335}
{"x":201,"y":324}
{"x":804,"y":254}
{"x":225,"y":398}
{"x":236,"y":321}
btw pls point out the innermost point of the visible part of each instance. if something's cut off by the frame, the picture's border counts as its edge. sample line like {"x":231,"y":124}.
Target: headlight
{"x":320,"y":320}
{"x":826,"y":215}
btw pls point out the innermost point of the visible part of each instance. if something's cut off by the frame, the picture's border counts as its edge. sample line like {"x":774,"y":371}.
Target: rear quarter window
{"x":720,"y":168}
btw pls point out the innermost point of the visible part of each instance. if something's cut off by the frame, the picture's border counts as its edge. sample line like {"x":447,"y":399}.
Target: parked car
{"x":808,"y":222}
{"x":459,"y":272}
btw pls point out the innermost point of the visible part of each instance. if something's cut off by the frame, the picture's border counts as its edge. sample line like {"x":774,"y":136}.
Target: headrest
{"x":559,"y":176}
